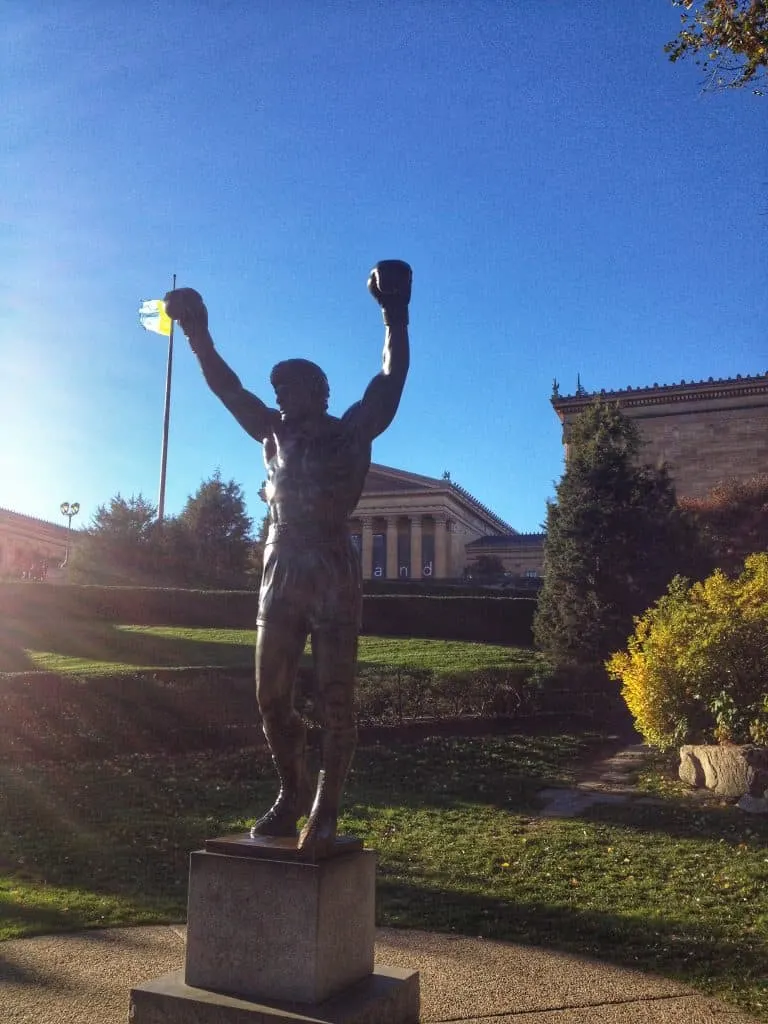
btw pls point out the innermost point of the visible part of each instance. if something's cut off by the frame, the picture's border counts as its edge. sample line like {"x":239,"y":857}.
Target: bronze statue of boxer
{"x":312,"y":583}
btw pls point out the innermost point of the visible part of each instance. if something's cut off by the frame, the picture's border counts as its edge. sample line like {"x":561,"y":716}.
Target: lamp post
{"x":69,"y":511}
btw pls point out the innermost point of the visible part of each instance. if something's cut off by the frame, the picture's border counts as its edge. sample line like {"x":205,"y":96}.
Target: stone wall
{"x":704,"y":447}
{"x":707,"y":431}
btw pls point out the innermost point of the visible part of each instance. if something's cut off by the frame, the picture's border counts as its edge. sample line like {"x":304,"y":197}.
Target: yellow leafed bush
{"x":696,"y":667}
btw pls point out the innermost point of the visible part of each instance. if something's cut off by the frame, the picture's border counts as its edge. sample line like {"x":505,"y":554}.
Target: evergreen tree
{"x":615,"y":538}
{"x":120,"y":545}
{"x":216,"y":534}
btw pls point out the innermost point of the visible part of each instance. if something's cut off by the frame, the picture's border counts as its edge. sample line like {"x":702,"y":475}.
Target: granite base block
{"x":280,"y":929}
{"x":388,"y":996}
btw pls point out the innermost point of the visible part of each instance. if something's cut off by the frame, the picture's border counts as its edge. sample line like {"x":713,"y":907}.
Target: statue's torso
{"x":315,"y":472}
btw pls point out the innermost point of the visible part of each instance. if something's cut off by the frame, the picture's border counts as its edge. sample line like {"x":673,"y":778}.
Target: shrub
{"x":488,"y":619}
{"x":44,"y":716}
{"x":733,"y":521}
{"x":505,"y":620}
{"x":696,"y":667}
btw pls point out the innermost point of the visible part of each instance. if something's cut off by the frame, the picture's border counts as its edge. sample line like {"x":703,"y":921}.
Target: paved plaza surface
{"x":85,"y":978}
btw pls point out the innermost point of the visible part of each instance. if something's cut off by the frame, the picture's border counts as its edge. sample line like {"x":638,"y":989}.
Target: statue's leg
{"x":278,"y":651}
{"x":334,"y":651}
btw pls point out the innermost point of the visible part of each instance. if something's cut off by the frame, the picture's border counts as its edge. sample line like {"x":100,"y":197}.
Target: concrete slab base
{"x":389,"y":995}
{"x":280,"y":929}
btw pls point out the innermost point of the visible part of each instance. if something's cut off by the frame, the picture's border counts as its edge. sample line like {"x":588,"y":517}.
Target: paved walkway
{"x":85,"y":979}
{"x":608,"y":781}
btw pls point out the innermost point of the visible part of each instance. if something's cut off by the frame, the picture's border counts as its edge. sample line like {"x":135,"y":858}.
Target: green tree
{"x":120,"y":545}
{"x":615,"y":537}
{"x":728,"y":38}
{"x":216,"y":533}
{"x":487,"y":566}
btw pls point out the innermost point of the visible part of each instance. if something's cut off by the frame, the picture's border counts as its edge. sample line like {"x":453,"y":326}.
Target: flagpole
{"x":166,"y":422}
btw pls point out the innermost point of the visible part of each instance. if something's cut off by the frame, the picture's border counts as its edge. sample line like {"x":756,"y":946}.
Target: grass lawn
{"x":104,"y":648}
{"x":678,"y":888}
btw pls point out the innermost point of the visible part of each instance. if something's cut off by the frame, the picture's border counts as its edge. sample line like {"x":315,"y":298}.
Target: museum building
{"x":704,"y":431}
{"x":412,"y":527}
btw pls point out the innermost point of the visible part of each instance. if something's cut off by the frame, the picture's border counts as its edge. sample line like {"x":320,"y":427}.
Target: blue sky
{"x":571,"y":203}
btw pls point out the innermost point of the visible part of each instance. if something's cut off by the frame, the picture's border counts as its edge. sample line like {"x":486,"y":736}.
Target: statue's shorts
{"x":311,"y":584}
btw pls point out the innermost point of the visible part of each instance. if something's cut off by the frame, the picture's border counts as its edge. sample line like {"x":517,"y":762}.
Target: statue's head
{"x":301,"y":388}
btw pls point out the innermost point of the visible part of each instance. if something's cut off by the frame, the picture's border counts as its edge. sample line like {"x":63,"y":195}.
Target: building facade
{"x":29,"y":546}
{"x":704,"y":431}
{"x":521,"y":554}
{"x":412,"y":527}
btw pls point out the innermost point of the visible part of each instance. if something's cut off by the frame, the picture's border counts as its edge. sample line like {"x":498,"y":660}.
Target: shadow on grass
{"x":679,"y":818}
{"x":665,"y":946}
{"x":40,"y":915}
{"x":87,"y":639}
{"x":504,"y":770}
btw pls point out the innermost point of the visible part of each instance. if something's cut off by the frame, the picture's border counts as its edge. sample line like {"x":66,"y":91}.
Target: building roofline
{"x":445,"y":486}
{"x":514,"y":539}
{"x":659,"y":394}
{"x":32,"y":519}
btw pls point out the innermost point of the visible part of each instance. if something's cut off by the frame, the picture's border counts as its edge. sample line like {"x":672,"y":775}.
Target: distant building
{"x":413,"y":527}
{"x":705,"y":431}
{"x":521,"y":554}
{"x":30,"y":546}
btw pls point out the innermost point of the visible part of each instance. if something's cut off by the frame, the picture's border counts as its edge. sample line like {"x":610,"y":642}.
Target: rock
{"x":728,"y":770}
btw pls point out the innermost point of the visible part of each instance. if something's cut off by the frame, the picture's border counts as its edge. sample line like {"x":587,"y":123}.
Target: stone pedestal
{"x":272,"y":936}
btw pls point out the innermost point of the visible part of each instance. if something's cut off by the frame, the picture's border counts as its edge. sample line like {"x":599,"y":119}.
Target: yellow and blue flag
{"x":152,"y":317}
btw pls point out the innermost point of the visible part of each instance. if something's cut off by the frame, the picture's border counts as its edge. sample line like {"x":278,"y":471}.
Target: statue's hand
{"x":187,"y":306}
{"x":390,"y":285}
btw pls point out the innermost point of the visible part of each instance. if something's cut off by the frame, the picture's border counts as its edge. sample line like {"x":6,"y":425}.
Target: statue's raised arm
{"x":186,"y":306}
{"x":390,"y":285}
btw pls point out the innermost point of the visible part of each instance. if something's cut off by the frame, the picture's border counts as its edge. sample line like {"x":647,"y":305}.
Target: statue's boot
{"x":319,"y":834}
{"x":295,"y":796}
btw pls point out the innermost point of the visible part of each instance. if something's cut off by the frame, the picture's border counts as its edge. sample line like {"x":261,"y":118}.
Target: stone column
{"x":416,"y":547}
{"x":367,"y":548}
{"x":441,"y":547}
{"x":392,"y":547}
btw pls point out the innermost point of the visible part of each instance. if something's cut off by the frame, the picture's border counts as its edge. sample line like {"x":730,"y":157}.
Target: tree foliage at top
{"x":728,"y":38}
{"x":615,"y":537}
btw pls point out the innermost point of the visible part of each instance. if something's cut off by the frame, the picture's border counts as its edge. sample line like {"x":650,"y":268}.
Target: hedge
{"x":139,"y":606}
{"x":44,"y":716}
{"x":501,"y":620}
{"x":489,"y":619}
